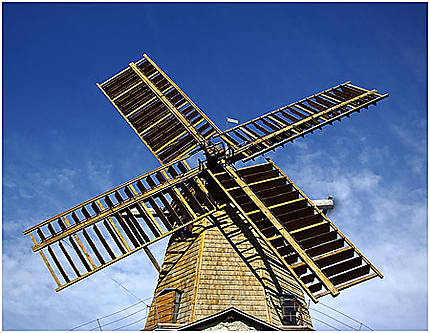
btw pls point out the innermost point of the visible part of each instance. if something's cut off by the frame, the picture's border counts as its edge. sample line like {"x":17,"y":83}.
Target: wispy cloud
{"x":385,"y":219}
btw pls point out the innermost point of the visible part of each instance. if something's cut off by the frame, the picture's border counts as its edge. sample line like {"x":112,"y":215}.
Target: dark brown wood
{"x":147,"y":220}
{"x":343,"y":266}
{"x":126,"y":227}
{"x":51,"y":229}
{"x":322,"y":228}
{"x":351,"y":275}
{"x":103,"y":241}
{"x":303,"y":222}
{"x":75,"y":218}
{"x":320,"y":239}
{"x":327,"y":247}
{"x":93,"y":247}
{"x":79,"y":253}
{"x":61,"y":224}
{"x":69,"y":259}
{"x":57,"y":263}
{"x":85,"y":213}
{"x":335,"y":257}
{"x":114,"y":237}
{"x":160,"y":214}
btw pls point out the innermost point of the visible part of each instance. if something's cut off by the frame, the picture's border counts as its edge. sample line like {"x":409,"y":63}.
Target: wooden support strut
{"x":113,"y":210}
{"x":146,"y":249}
{"x":282,"y":108}
{"x":327,"y":219}
{"x":291,"y":138}
{"x":80,"y":244}
{"x":145,"y":56}
{"x":169,"y":105}
{"x":304,"y":120}
{"x":47,"y":263}
{"x":260,"y":234}
{"x":133,"y":251}
{"x":162,"y":167}
{"x":311,"y":264}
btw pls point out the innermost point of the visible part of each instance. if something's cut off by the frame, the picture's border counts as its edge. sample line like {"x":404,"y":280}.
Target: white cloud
{"x":387,"y":221}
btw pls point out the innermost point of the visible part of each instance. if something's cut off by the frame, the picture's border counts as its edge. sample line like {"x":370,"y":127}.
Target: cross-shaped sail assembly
{"x":291,"y":235}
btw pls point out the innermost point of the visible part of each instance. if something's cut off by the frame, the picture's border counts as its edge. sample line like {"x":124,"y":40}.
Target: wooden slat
{"x":114,"y":237}
{"x":57,"y":263}
{"x":289,"y":122}
{"x":80,"y":255}
{"x":69,"y":259}
{"x":103,"y":241}
{"x":93,"y":247}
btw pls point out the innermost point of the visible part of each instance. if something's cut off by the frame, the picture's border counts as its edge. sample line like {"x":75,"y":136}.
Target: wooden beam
{"x":46,"y":263}
{"x":133,"y":251}
{"x":114,"y":210}
{"x":283,"y":108}
{"x":303,"y":121}
{"x":169,"y":105}
{"x":291,"y":138}
{"x":311,"y":264}
{"x":327,"y":219}
{"x":260,"y":234}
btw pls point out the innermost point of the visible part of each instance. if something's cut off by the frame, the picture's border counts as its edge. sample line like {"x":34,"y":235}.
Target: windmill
{"x":243,"y":237}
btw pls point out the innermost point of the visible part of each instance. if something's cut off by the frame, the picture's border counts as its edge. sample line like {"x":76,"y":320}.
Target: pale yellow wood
{"x":313,"y":128}
{"x":283,"y":108}
{"x":87,"y":255}
{"x":176,"y":137}
{"x":304,"y":120}
{"x":127,"y":90}
{"x":156,"y":123}
{"x":132,"y":251}
{"x":46,"y":262}
{"x":89,"y":201}
{"x":183,"y":94}
{"x":113,"y":210}
{"x":278,"y":205}
{"x":187,"y":125}
{"x":307,"y":111}
{"x":115,"y":228}
{"x":303,"y":255}
{"x":267,"y":243}
{"x":129,"y":123}
{"x":327,"y":219}
{"x":199,"y":268}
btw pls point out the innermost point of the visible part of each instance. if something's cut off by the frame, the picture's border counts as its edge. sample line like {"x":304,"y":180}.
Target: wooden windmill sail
{"x":244,"y":237}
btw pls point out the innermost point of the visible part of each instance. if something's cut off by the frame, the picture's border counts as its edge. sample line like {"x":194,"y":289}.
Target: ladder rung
{"x":275,"y":237}
{"x":308,"y":227}
{"x":277,"y":205}
{"x":255,"y":183}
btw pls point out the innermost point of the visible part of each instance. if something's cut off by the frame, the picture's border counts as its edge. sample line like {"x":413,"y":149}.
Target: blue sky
{"x":63,"y":142}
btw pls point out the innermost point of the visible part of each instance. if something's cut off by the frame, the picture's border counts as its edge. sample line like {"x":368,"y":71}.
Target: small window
{"x":291,"y":310}
{"x":176,"y":304}
{"x":166,"y":305}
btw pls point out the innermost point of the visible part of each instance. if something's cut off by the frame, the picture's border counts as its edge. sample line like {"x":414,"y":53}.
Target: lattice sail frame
{"x":302,"y":237}
{"x":174,"y":128}
{"x":164,"y":118}
{"x":134,"y":215}
{"x":276,"y":128}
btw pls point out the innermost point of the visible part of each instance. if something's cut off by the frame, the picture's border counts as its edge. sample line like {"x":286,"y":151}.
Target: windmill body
{"x":246,"y":238}
{"x":211,"y":276}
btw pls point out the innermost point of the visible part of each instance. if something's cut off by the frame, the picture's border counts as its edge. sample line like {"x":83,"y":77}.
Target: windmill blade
{"x":133,"y":216}
{"x":160,"y":113}
{"x":315,"y":251}
{"x":263,"y":134}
